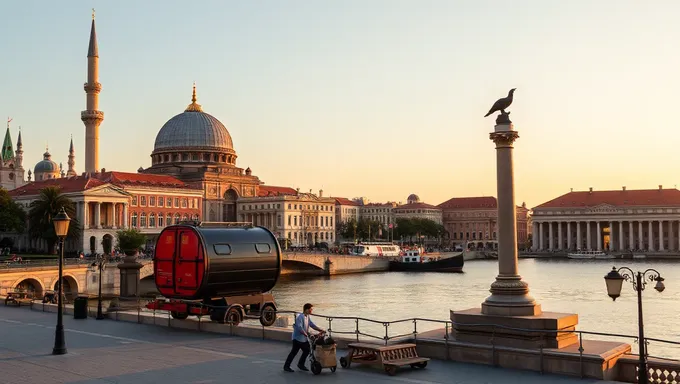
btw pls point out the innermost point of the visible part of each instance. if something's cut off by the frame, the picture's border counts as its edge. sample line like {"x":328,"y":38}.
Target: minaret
{"x":92,"y":117}
{"x":19,"y":158}
{"x":71,"y":161}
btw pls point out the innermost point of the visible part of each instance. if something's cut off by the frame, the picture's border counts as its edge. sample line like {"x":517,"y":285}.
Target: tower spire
{"x":92,"y":117}
{"x":194,"y":106}
{"x":7,"y":150}
{"x":19,"y":158}
{"x":71,"y":160}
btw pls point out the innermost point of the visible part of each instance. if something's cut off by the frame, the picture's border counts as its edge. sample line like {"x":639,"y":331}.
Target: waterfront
{"x":559,"y":285}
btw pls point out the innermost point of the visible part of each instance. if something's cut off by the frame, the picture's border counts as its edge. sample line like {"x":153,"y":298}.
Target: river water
{"x":559,"y":285}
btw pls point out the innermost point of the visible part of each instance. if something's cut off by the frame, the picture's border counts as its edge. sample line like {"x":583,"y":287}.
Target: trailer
{"x":222,"y":270}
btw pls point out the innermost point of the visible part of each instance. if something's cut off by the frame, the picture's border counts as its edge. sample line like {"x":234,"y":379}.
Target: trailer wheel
{"x":268,"y":315}
{"x":233,"y":316}
{"x":179,"y":315}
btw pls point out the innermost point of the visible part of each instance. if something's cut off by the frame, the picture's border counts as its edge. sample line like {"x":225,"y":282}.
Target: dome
{"x":413,"y":198}
{"x":193,"y":129}
{"x":46,"y":165}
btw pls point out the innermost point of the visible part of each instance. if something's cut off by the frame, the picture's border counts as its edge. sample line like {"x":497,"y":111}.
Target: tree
{"x":41,"y":212}
{"x":12,"y":216}
{"x":348,"y":229}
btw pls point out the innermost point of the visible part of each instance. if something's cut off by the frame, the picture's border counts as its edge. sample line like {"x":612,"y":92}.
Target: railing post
{"x":387,"y":337}
{"x":580,"y":352}
{"x":356,"y":331}
{"x":415,"y":330}
{"x":446,"y":340}
{"x":330,"y":323}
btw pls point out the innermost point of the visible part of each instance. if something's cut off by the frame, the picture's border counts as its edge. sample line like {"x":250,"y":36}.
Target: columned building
{"x":415,"y":209}
{"x":621,"y":221}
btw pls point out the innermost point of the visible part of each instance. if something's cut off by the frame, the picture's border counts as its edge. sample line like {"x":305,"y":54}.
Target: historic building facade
{"x":414,"y":208}
{"x":301,"y":218}
{"x":346,"y":210}
{"x":475,"y":219}
{"x":623,"y":220}
{"x":380,"y":212}
{"x":11,"y":167}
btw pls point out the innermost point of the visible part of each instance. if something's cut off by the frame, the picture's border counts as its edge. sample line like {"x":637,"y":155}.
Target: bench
{"x":389,"y":357}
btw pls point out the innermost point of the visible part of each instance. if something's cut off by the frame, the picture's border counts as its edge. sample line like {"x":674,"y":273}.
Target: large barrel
{"x":205,"y":261}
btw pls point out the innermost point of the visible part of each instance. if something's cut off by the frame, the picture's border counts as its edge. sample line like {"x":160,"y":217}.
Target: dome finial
{"x":194,"y":106}
{"x":92,"y":13}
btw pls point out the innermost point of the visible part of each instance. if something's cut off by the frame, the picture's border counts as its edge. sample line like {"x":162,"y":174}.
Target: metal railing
{"x":355,"y":331}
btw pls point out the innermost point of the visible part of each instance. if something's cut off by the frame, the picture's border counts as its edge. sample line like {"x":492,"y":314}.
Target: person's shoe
{"x":288,"y":369}
{"x":303,"y":368}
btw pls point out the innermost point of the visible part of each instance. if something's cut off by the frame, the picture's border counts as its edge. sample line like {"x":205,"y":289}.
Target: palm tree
{"x":41,"y":212}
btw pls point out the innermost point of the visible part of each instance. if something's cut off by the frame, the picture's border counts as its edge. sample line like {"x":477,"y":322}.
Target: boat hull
{"x":449,"y":264}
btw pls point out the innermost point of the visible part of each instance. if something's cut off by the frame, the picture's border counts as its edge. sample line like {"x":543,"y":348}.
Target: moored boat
{"x":416,"y":261}
{"x":589,"y":255}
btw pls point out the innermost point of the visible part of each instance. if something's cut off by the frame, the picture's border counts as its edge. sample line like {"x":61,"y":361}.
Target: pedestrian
{"x":300,"y":334}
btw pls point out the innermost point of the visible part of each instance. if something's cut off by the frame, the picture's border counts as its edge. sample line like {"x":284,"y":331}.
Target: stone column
{"x":679,"y":236}
{"x":534,"y":236}
{"x":612,"y":243}
{"x":114,"y":217}
{"x":125,"y":216}
{"x":651,"y":236}
{"x":640,"y":238}
{"x":560,"y":240}
{"x":621,"y":236}
{"x":579,"y":240}
{"x":569,"y":237}
{"x":97,"y":215}
{"x":86,"y":212}
{"x":660,"y":235}
{"x":540,"y":236}
{"x":551,"y":236}
{"x":631,"y":235}
{"x":509,"y":294}
{"x":589,"y":243}
{"x":671,"y":236}
{"x":599,"y":236}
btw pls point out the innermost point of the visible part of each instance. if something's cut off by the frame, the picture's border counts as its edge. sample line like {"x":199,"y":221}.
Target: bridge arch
{"x":31,"y":284}
{"x":300,"y":266}
{"x":71,"y":287}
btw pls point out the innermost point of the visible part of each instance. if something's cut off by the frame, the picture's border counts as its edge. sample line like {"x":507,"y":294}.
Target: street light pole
{"x":614,"y":280}
{"x":61,"y":222}
{"x":100,"y":264}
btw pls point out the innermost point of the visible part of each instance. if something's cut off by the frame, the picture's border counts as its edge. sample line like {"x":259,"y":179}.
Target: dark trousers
{"x":297,"y":346}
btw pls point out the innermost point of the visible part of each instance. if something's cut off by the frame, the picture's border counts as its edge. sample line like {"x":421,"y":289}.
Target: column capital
{"x":504,"y":139}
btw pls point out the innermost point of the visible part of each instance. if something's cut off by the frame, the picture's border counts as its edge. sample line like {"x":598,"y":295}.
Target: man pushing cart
{"x":301,"y":338}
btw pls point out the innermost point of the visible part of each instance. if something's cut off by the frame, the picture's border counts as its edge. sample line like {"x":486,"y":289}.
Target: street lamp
{"x":99,"y":264}
{"x":614,"y":280}
{"x":61,"y":222}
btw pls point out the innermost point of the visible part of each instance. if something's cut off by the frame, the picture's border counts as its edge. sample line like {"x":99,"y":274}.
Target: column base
{"x":545,"y":330}
{"x":510,"y":297}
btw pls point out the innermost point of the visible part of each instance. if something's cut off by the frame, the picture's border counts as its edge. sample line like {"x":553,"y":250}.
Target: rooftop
{"x":271,"y":190}
{"x":482,"y":202}
{"x":619,"y":198}
{"x":67,"y":185}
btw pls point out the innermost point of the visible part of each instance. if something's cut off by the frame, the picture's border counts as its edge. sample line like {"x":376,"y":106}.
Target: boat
{"x":379,"y":249}
{"x":415,"y":260}
{"x":589,"y":255}
{"x":639,"y":256}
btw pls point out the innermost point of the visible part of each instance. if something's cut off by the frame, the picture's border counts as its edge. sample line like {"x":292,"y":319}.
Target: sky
{"x":373,"y":98}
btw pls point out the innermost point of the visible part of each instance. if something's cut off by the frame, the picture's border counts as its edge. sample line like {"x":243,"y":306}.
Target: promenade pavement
{"x":107,"y":351}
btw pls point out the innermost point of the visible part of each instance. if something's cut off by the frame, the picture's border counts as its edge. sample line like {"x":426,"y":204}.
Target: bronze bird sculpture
{"x":502,"y":104}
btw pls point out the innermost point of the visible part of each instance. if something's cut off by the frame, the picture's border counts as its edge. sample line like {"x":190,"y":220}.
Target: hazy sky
{"x":375,"y":98}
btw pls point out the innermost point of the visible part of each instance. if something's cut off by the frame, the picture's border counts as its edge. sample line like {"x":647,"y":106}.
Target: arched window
{"x":185,"y":217}
{"x":176,"y":218}
{"x":160,"y":220}
{"x":195,"y":217}
{"x":142,"y":220}
{"x":168,"y":219}
{"x":134,"y":219}
{"x":152,"y":220}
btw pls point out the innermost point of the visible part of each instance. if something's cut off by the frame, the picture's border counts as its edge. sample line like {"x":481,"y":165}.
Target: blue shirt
{"x":302,"y":323}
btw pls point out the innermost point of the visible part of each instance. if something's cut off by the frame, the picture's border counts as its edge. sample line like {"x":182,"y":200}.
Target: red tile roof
{"x":66,"y":185}
{"x":622,"y":198}
{"x":416,"y":206}
{"x":346,"y":201}
{"x":484,"y":202}
{"x":270,"y":190}
{"x":129,"y":179}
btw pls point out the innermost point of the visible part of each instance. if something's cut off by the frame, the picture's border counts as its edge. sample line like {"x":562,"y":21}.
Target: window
{"x":152,"y":201}
{"x":263,"y":248}
{"x":185,"y":217}
{"x":295,"y":220}
{"x":176,"y":221}
{"x":168,"y":202}
{"x":142,"y":220}
{"x":142,"y":201}
{"x":161,"y":201}
{"x":176,"y":202}
{"x":152,"y":220}
{"x":134,"y":219}
{"x":289,"y":205}
{"x":289,"y":220}
{"x":160,"y":219}
{"x":222,"y":249}
{"x":134,"y":201}
{"x":168,"y":219}
{"x":185,"y":202}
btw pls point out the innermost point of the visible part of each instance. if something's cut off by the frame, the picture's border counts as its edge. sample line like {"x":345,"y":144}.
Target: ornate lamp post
{"x":99,"y":264}
{"x":614,"y":280}
{"x":61,"y":223}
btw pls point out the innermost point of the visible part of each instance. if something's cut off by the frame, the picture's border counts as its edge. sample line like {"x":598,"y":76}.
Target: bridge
{"x":40,"y":277}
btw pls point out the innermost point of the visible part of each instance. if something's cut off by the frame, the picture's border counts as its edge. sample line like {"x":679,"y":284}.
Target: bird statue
{"x":502,"y":104}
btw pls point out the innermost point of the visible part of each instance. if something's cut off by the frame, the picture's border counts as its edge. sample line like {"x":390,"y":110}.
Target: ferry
{"x":376,"y":249}
{"x":589,"y":255}
{"x":415,"y":260}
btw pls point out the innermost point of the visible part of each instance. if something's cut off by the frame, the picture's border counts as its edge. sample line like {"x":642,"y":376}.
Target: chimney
{"x":320,"y":192}
{"x":624,"y":187}
{"x":591,"y":189}
{"x":660,"y":187}
{"x":571,"y":189}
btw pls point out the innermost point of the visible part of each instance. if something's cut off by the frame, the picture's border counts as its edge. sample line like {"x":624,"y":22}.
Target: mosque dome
{"x":413,"y":198}
{"x":193,"y":129}
{"x":46,"y":168}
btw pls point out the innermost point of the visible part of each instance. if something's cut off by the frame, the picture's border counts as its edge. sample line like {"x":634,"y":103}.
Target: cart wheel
{"x":179,"y":315}
{"x":316,"y":367}
{"x":343,"y":362}
{"x":391,"y":370}
{"x":422,"y":365}
{"x":334,"y":368}
{"x":233,"y":316}
{"x":268,"y":315}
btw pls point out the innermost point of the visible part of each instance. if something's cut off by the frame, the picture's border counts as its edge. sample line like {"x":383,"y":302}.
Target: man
{"x":300,"y":334}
